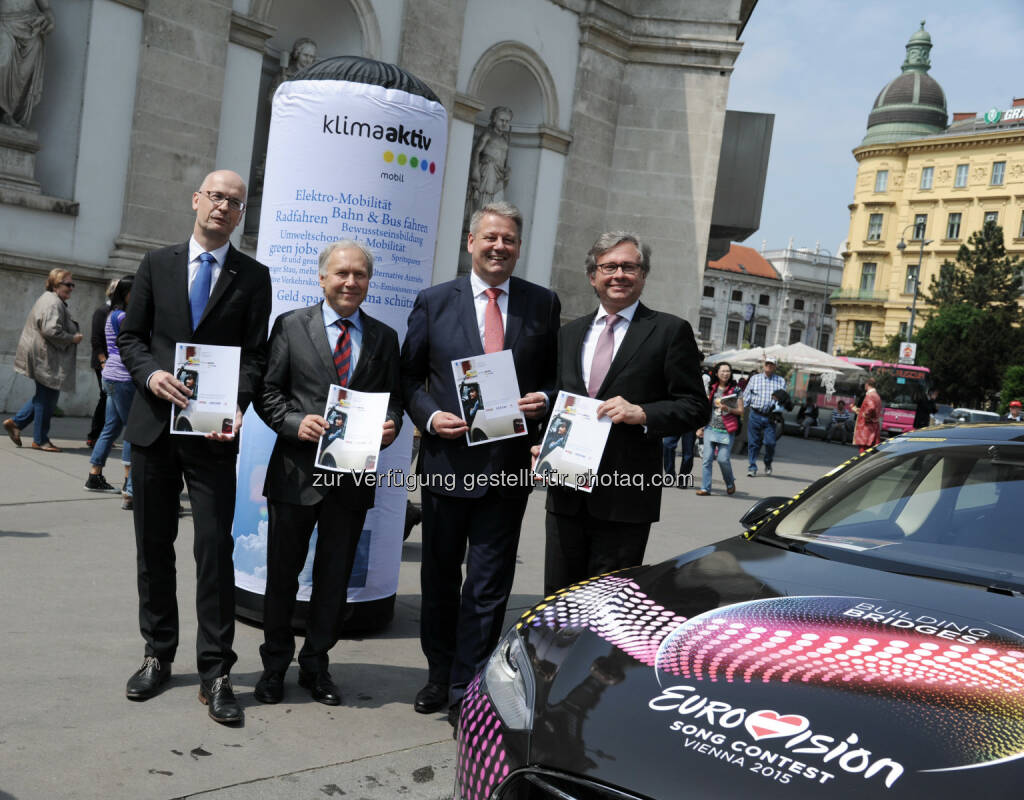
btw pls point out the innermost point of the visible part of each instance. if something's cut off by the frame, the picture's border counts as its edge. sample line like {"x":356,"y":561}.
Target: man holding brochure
{"x":473,"y":496}
{"x":202,"y":291}
{"x":332,"y":342}
{"x":645,"y":367}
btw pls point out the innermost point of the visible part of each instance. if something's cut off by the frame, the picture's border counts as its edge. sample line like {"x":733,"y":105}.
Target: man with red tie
{"x":469,"y":512}
{"x":645,"y":366}
{"x":332,"y":342}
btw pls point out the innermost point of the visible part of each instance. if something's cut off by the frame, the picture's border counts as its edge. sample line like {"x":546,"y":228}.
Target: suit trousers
{"x":459,"y":629}
{"x":291,"y":526}
{"x":209,"y":472}
{"x":579,"y":546}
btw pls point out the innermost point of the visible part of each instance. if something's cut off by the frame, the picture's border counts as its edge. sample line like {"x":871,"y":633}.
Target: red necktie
{"x":602,"y":355}
{"x":494,"y":331}
{"x":343,"y":352}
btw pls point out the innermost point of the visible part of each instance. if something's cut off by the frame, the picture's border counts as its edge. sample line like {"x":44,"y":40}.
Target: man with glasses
{"x":645,"y":367}
{"x":201,"y":291}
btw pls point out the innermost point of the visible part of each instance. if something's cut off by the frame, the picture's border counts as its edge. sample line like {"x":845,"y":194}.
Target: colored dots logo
{"x":414,"y":162}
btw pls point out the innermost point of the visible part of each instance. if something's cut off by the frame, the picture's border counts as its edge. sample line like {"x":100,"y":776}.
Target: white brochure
{"x":571,"y":450}
{"x":489,"y":397}
{"x":211,"y":372}
{"x":355,"y":423}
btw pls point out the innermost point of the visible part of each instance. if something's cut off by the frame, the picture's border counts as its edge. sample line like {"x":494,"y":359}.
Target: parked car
{"x":960,"y":415}
{"x":860,"y":639}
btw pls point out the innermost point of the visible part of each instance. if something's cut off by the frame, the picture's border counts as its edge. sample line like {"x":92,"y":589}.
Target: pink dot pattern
{"x":482,"y":761}
{"x":613,"y":608}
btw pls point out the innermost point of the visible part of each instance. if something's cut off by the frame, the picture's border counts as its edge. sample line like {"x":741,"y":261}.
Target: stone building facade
{"x":618,"y":116}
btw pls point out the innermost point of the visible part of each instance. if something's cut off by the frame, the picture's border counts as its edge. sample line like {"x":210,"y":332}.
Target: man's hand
{"x":533,"y":405}
{"x":389,"y":433}
{"x":449,"y":426}
{"x":76,"y":338}
{"x":219,"y":436}
{"x":165,"y":386}
{"x":312,"y":427}
{"x":619,"y":409}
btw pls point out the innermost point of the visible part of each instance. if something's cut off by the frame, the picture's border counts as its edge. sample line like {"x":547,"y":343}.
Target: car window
{"x":951,"y":507}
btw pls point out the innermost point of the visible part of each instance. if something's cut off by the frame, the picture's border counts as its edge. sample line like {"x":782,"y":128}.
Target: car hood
{"x":747,"y":670}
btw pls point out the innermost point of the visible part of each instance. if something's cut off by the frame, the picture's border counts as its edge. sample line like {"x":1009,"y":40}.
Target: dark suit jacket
{"x":159,"y":316}
{"x":657,"y":367}
{"x":300,"y":371}
{"x":442,"y":328}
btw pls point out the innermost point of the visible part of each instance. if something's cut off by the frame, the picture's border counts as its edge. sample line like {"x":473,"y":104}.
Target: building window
{"x":709,"y":291}
{"x":1020,"y":233}
{"x":920,"y":224}
{"x":823,"y":342}
{"x":881,"y":180}
{"x":874,"y":227}
{"x":828,"y":309}
{"x":861,"y":331}
{"x":763,"y":300}
{"x":998,"y":170}
{"x":737,"y":295}
{"x":732,"y":332}
{"x":961,"y":176}
{"x":953,"y":226}
{"x":798,"y":304}
{"x":992,"y":216}
{"x":904,"y":327}
{"x":926,"y":177}
{"x":795,"y":334}
{"x":760,"y":335}
{"x":704,"y":328}
{"x":912,"y":271}
{"x":867,"y":277}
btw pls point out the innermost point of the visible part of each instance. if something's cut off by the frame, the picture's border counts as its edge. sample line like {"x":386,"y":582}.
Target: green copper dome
{"x":911,"y":105}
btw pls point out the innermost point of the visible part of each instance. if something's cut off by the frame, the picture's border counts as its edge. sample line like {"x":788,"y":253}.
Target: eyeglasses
{"x":217,"y":198}
{"x":628,"y":268}
{"x":69,"y":284}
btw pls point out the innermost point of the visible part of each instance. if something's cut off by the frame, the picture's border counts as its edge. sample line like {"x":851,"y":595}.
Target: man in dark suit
{"x":486,"y":311}
{"x":206,"y":292}
{"x":333,"y":342}
{"x":645,"y":366}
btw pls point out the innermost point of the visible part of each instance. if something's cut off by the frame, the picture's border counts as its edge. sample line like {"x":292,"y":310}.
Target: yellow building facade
{"x":930,"y":186}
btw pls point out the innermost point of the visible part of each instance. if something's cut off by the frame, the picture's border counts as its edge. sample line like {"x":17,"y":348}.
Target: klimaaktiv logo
{"x":415,"y":138}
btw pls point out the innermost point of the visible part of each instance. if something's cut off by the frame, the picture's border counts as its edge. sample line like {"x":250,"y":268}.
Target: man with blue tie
{"x":473,"y":501}
{"x":202,"y":291}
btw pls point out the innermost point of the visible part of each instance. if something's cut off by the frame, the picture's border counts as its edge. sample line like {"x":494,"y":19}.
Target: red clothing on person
{"x":868,"y":431}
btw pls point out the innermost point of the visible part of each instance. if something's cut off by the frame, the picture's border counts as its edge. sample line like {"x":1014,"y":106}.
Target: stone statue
{"x":23,"y":26}
{"x":488,"y":168}
{"x":303,"y":55}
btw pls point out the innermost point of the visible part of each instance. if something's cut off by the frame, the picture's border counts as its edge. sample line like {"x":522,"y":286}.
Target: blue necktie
{"x":199,"y":296}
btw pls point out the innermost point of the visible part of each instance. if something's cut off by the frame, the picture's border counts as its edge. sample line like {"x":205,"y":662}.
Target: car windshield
{"x":944,"y":510}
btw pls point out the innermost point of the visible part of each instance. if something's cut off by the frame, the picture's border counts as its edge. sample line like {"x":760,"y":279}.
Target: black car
{"x":861,"y":639}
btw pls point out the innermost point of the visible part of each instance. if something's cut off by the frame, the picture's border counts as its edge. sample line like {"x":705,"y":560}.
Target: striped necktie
{"x":343,"y":352}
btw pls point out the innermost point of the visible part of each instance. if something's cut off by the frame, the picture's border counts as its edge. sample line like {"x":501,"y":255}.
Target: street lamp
{"x":828,"y":276}
{"x":917,"y":275}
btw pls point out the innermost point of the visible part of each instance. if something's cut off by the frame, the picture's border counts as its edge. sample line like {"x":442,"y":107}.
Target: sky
{"x":818,"y":65}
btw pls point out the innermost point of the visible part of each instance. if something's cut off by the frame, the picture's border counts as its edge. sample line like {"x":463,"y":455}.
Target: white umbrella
{"x":799,"y":355}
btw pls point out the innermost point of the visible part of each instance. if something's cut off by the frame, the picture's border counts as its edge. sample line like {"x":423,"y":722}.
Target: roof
{"x":746,"y":261}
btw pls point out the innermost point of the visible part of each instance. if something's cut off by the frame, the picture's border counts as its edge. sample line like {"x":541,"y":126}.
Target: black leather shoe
{"x":148,"y":679}
{"x":321,"y":687}
{"x":431,"y":698}
{"x":270,"y":687}
{"x":217,"y":694}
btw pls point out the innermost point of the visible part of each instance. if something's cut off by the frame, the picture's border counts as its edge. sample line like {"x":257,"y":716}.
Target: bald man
{"x":206,"y":292}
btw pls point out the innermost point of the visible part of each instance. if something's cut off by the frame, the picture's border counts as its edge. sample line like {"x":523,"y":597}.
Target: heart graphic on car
{"x":771,"y":725}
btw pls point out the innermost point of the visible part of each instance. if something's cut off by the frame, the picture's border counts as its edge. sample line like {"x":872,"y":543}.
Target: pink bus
{"x":900,"y":385}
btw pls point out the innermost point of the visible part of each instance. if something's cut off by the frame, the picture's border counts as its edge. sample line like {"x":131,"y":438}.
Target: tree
{"x":1013,"y":387}
{"x":888,"y":352}
{"x":973,"y":329}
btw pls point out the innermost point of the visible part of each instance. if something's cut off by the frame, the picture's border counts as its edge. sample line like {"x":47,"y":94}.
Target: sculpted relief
{"x":24,"y":25}
{"x":489,"y":168}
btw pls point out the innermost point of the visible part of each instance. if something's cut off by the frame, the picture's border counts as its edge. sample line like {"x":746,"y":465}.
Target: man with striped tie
{"x":201,"y":291}
{"x":332,"y":342}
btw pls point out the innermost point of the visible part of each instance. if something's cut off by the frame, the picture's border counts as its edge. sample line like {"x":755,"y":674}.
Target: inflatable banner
{"x":346,"y":159}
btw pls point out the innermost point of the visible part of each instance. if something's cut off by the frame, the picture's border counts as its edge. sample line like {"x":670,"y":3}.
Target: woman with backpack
{"x":120,"y":391}
{"x":726,"y":414}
